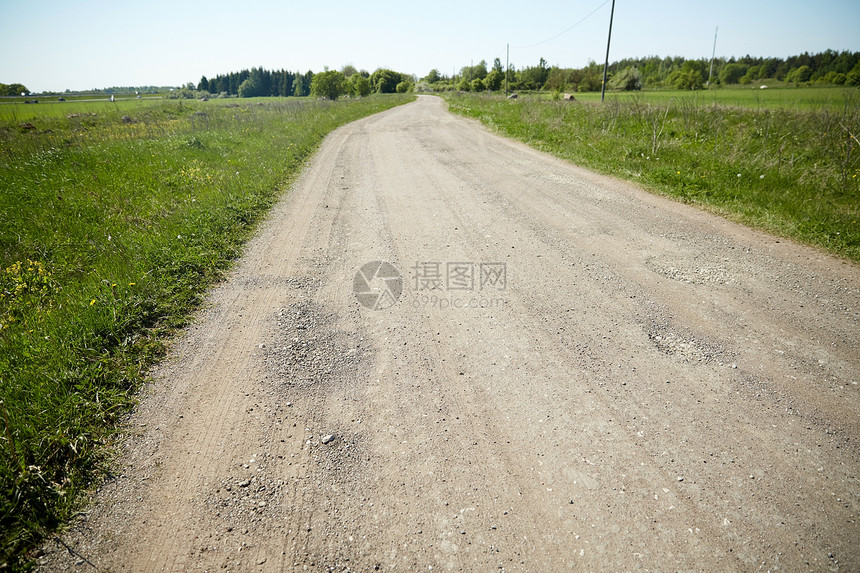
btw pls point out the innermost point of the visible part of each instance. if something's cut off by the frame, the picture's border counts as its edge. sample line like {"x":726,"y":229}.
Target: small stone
{"x":680,"y":479}
{"x":261,"y":561}
{"x":327,"y":439}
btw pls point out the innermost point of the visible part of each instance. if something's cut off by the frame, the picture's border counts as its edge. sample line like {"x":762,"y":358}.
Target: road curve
{"x":575,"y":374}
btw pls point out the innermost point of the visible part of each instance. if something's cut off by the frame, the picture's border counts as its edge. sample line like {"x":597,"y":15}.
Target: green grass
{"x":112,"y":230}
{"x":784,"y":97}
{"x":793,"y":171}
{"x":15,"y":110}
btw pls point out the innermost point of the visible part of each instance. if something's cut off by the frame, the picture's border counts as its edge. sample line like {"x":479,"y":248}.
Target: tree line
{"x":331,"y":84}
{"x":825,"y":68}
{"x":13,"y":89}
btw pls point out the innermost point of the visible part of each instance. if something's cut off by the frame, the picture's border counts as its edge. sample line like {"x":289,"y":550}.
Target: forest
{"x":654,"y":72}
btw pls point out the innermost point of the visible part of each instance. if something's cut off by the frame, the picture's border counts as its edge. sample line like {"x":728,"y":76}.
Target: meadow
{"x":787,"y":162}
{"x":116,"y":218}
{"x":773,"y":97}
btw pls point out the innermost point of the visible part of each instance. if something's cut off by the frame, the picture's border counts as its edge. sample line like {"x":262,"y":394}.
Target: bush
{"x":385,"y":81}
{"x":628,"y":79}
{"x":404,"y":87}
{"x":477,"y":85}
{"x":799,"y":75}
{"x":494,"y":80}
{"x":359,"y":86}
{"x":249,"y":88}
{"x":184,"y":93}
{"x":330,"y":85}
{"x":688,"y":79}
{"x":852,"y":78}
{"x":732,"y":73}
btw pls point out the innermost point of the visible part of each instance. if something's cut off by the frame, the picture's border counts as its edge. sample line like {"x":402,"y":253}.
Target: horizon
{"x":489,"y":65}
{"x":79,"y":47}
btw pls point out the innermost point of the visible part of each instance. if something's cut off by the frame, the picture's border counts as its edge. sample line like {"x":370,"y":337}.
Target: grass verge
{"x":115,"y":222}
{"x":792,"y":172}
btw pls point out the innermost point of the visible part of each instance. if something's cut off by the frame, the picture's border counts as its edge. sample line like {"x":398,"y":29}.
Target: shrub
{"x":385,"y":81}
{"x":359,"y":85}
{"x":330,"y":85}
{"x":732,"y":73}
{"x":494,"y":80}
{"x":799,"y":75}
{"x":628,"y":79}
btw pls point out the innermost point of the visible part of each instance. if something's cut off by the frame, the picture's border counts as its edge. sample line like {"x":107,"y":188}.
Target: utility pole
{"x":507,"y":65}
{"x":714,"y":53}
{"x":606,"y":63}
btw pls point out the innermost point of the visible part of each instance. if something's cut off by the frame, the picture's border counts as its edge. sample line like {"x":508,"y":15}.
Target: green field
{"x":116,"y":218}
{"x":14,"y":109}
{"x":788,"y":163}
{"x":782,"y":97}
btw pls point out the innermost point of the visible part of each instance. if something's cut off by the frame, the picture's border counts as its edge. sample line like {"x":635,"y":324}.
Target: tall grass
{"x":785,"y":97}
{"x":114,"y":222}
{"x":793,"y":172}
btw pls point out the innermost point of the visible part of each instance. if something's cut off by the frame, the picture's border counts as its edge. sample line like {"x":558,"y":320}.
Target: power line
{"x":590,"y":14}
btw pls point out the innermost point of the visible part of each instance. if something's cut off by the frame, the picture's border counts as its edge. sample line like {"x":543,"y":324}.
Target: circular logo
{"x":377,"y":285}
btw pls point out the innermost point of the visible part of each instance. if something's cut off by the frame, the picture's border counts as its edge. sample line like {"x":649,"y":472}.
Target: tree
{"x":359,"y":86}
{"x":689,"y":77}
{"x":628,"y":79}
{"x":203,"y":85}
{"x":534,"y":78}
{"x":330,"y":85}
{"x":13,"y":89}
{"x":249,"y":88}
{"x":799,"y":75}
{"x":348,"y":71}
{"x":494,"y":80}
{"x":433,"y":76}
{"x":732,"y":73}
{"x":302,"y":84}
{"x":852,"y":78}
{"x":470,"y":73}
{"x":298,"y":86}
{"x":385,"y":81}
{"x":497,"y":66}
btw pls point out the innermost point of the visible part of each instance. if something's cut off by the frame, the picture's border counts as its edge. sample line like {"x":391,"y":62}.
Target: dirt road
{"x":576,"y":374}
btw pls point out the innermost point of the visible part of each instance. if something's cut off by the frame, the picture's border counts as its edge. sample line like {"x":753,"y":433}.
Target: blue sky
{"x":55,"y":45}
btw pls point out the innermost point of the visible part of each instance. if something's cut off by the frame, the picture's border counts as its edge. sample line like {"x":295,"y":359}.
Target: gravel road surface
{"x":552,"y":369}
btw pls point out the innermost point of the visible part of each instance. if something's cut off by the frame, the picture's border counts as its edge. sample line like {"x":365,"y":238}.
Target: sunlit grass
{"x":793,"y":172}
{"x":114,"y":222}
